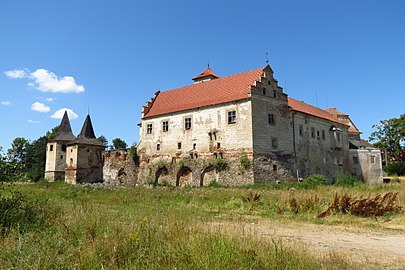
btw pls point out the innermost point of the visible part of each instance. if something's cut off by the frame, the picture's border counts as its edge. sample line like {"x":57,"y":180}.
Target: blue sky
{"x":110,"y":57}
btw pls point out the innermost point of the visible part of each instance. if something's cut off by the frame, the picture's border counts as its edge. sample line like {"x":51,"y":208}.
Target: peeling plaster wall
{"x":55,"y":162}
{"x":367,"y":165}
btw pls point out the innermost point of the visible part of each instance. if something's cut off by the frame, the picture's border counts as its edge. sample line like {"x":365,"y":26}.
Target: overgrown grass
{"x":166,"y":228}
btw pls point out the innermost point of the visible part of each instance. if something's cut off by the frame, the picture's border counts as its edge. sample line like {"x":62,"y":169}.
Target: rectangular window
{"x":372,"y":159}
{"x":51,"y":147}
{"x":301,"y":130}
{"x":356,"y":160}
{"x":218,"y":145}
{"x":158,"y":147}
{"x":64,"y":147}
{"x":165,"y":126}
{"x":274,"y":142}
{"x":272,"y":119}
{"x":312,"y":132}
{"x":274,"y":168}
{"x":194,"y":146}
{"x":323,"y":135}
{"x":149,"y":128}
{"x":187,"y":123}
{"x":61,"y":156}
{"x":275,"y":93}
{"x":318,"y":134}
{"x":232,"y":117}
{"x":179,"y":145}
{"x":264,"y":90}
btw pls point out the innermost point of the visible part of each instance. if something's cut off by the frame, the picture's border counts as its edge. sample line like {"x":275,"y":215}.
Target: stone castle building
{"x":74,"y":159}
{"x":239,"y":129}
{"x":235,"y":130}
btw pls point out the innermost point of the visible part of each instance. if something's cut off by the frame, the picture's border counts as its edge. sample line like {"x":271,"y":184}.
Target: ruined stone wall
{"x":320,"y":150}
{"x":119,"y":168}
{"x":209,"y":132}
{"x":84,"y":164}
{"x":171,"y":171}
{"x":55,"y":162}
{"x":367,"y":165}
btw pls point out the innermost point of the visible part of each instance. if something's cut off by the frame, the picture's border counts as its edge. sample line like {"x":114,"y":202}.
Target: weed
{"x":252,"y":198}
{"x":245,"y":162}
{"x":347,"y":180}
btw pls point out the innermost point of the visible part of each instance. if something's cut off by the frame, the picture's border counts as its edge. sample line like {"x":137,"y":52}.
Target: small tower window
{"x":274,"y":142}
{"x":301,"y":130}
{"x":218,"y":145}
{"x":323,"y":134}
{"x":275,"y":93}
{"x":272,"y":119}
{"x":51,"y":147}
{"x":179,"y":145}
{"x":64,"y":147}
{"x":312,"y":132}
{"x":264,"y":91}
{"x":158,"y":147}
{"x":194,"y":146}
{"x":61,"y":156}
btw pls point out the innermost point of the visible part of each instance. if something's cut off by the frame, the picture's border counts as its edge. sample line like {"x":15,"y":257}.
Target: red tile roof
{"x":303,"y":107}
{"x":206,"y":73}
{"x":333,"y":110}
{"x":222,"y":90}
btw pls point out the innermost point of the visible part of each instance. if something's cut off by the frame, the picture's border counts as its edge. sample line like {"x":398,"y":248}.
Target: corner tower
{"x":56,"y":151}
{"x":84,"y":162}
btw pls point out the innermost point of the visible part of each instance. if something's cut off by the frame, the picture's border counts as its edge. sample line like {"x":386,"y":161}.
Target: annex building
{"x":243,"y":129}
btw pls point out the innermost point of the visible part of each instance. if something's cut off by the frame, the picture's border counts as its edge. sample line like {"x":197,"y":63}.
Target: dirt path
{"x":384,"y":249}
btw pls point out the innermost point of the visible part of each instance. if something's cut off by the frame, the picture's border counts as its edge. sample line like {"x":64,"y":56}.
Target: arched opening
{"x":161,"y":176}
{"x":208,"y":175}
{"x":184,"y":176}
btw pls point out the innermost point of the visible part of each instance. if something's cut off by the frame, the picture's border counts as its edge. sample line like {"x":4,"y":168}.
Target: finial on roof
{"x":267,"y":58}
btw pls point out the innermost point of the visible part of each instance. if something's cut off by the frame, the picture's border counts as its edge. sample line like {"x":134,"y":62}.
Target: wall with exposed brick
{"x":119,"y":168}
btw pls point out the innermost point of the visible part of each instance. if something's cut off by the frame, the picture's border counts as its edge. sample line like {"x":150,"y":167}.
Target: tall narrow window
{"x":372,"y":159}
{"x":301,"y":130}
{"x":51,"y":147}
{"x":158,"y":147}
{"x":149,"y":128}
{"x":323,"y":135}
{"x":194,"y":146}
{"x":231,"y":117}
{"x":64,"y":147}
{"x":275,"y":93}
{"x":179,"y":145}
{"x":187,"y":123}
{"x":165,"y":126}
{"x":274,"y":142}
{"x":312,"y":132}
{"x":272,"y":119}
{"x":264,"y":91}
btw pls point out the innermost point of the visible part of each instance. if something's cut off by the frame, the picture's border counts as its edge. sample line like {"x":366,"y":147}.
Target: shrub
{"x":245,"y":162}
{"x":313,"y":181}
{"x":23,"y":213}
{"x":222,"y":164}
{"x":347,"y":180}
{"x":395,"y":168}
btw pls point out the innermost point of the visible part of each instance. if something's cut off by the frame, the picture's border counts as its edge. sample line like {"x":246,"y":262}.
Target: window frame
{"x":274,"y":143}
{"x":149,"y":128}
{"x":165,"y":126}
{"x":231,"y":117}
{"x":271,"y":119}
{"x":188,"y":123}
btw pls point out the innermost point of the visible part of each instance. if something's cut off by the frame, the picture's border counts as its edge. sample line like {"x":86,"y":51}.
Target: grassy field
{"x":58,"y":226}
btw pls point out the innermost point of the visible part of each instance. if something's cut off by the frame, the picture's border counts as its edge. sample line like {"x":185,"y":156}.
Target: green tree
{"x":390,"y":136}
{"x":119,"y":143}
{"x":103,"y":139}
{"x":35,"y":159}
{"x":18,"y":149}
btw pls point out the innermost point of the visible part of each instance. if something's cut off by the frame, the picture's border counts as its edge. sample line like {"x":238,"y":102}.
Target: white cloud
{"x":15,"y":74}
{"x":50,"y":99}
{"x":40,"y":107}
{"x":6,"y":103}
{"x":47,"y":81}
{"x":59,"y":114}
{"x":33,"y":121}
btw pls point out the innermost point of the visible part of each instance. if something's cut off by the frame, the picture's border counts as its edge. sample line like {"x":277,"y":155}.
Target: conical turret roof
{"x":86,"y":135}
{"x":64,"y":132}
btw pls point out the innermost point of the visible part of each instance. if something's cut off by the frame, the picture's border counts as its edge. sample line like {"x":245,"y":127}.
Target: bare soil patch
{"x":379,"y":249}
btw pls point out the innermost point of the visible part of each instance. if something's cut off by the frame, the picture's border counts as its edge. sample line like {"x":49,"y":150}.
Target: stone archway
{"x":161,"y":176}
{"x":208,"y":175}
{"x":184,"y":177}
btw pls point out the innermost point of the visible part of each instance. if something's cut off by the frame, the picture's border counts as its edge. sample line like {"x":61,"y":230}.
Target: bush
{"x":347,"y":180}
{"x":22,"y":213}
{"x":313,"y":181}
{"x":245,"y":162}
{"x":395,"y":168}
